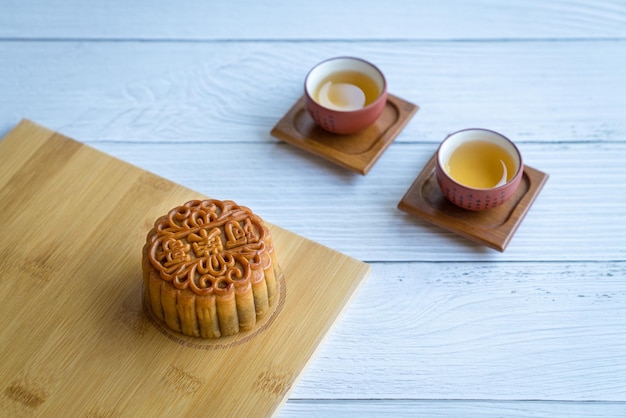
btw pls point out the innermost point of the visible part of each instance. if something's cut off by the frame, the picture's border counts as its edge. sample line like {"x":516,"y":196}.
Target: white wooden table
{"x":442,"y":327}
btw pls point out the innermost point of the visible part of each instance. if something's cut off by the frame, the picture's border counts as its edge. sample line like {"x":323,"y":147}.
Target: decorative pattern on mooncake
{"x":208,"y":269}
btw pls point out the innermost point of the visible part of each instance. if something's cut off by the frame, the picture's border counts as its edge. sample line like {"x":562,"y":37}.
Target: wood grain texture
{"x":314,"y":198}
{"x":75,"y":340}
{"x":453,"y":408}
{"x":323,"y":19}
{"x":473,"y":330}
{"x":237,"y":91}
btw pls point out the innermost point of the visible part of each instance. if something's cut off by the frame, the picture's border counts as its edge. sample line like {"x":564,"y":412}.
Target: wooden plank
{"x":449,"y":408}
{"x":324,"y":19}
{"x":75,"y":340}
{"x":203,"y":92}
{"x":473,"y":330}
{"x":571,"y":214}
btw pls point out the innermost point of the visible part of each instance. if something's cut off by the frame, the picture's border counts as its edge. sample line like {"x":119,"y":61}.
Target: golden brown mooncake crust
{"x":208,"y":269}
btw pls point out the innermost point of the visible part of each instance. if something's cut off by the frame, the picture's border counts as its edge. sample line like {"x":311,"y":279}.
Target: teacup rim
{"x":380,"y":97}
{"x":520,"y":168}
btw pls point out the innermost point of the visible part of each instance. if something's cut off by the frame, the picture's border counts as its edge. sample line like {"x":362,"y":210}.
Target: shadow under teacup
{"x":478,"y":169}
{"x":345,"y":95}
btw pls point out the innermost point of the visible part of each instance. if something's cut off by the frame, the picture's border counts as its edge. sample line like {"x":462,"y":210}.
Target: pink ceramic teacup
{"x":345,"y":95}
{"x":478,"y":169}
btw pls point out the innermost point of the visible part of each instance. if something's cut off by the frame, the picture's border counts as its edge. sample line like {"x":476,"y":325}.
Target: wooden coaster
{"x":493,"y":227}
{"x":357,"y":152}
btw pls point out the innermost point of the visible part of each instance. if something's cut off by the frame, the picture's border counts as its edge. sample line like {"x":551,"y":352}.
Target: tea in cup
{"x":344,"y":95}
{"x":478,"y":169}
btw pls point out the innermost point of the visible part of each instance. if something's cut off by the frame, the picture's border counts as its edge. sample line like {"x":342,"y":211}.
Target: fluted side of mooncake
{"x":208,"y":269}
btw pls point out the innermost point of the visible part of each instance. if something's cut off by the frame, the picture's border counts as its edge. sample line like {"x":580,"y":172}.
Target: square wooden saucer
{"x":493,"y":227}
{"x":357,"y":152}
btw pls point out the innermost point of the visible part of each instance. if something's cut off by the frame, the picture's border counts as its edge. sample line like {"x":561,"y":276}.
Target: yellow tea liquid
{"x":340,"y":97}
{"x":478,"y":164}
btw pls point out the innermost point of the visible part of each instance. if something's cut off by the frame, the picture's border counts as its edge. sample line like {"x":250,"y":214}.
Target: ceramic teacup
{"x":345,"y":95}
{"x":478,"y":169}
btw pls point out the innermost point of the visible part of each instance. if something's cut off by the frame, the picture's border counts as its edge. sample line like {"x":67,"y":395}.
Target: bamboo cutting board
{"x":74,"y":338}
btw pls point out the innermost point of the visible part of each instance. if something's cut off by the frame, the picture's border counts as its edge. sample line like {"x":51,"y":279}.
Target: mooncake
{"x":208,"y":269}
